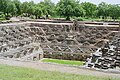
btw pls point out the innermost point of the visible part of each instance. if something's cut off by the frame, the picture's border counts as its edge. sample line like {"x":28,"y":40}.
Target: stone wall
{"x":16,"y":42}
{"x":65,"y":41}
{"x":107,"y":57}
{"x":57,"y":40}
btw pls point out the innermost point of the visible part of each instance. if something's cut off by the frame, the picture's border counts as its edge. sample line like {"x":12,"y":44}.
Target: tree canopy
{"x":65,"y":8}
{"x":69,"y":8}
{"x":89,"y":8}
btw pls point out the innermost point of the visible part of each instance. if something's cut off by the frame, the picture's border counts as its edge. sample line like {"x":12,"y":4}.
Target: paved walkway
{"x":56,"y":67}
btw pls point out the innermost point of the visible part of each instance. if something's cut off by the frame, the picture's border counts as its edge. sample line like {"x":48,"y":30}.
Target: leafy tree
{"x":18,"y":6}
{"x":47,"y":7}
{"x":24,"y":7}
{"x":11,"y":8}
{"x":114,"y":11}
{"x":30,"y":9}
{"x":103,"y":10}
{"x":68,"y":8}
{"x":79,"y":11}
{"x":50,"y":6}
{"x":3,"y":4}
{"x":89,"y":8}
{"x":37,"y":12}
{"x":7,"y":7}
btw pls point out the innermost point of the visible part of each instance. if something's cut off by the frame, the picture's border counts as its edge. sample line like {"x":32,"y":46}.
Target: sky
{"x":93,"y":1}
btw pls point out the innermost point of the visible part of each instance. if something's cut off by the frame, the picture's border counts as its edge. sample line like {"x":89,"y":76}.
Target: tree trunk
{"x":68,"y":18}
{"x":36,"y":16}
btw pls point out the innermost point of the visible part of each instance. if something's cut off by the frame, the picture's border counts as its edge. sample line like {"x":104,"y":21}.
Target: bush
{"x":78,"y":18}
{"x":2,"y":16}
{"x":32,"y":17}
{"x":2,"y":19}
{"x":8,"y":16}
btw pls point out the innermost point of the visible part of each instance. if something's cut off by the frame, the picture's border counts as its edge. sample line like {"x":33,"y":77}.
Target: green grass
{"x":65,"y":62}
{"x":1,"y":19}
{"x":19,"y":73}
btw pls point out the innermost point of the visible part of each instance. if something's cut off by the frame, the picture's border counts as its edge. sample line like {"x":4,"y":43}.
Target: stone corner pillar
{"x":119,"y":27}
{"x":75,"y":25}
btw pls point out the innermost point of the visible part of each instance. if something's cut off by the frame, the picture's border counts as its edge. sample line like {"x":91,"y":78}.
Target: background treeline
{"x":64,"y":9}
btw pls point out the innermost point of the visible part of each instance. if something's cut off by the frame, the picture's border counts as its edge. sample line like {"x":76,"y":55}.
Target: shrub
{"x":78,"y":18}
{"x":32,"y":17}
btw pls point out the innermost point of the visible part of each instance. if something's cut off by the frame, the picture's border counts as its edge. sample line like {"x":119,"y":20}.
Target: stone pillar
{"x":75,"y":25}
{"x":119,"y":29}
{"x":119,"y":26}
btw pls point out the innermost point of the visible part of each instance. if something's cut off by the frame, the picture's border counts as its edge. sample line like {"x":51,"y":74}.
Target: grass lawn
{"x":19,"y":73}
{"x":66,"y":62}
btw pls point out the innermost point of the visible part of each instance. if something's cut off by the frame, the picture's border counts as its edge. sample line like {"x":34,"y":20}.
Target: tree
{"x":89,"y":8}
{"x":103,"y":10}
{"x":18,"y":6}
{"x":11,"y":8}
{"x":7,"y":7}
{"x":68,"y":8}
{"x":79,"y":11}
{"x":114,"y":11}
{"x":37,"y":12}
{"x":24,"y":7}
{"x":3,"y":5}
{"x":30,"y":9}
{"x":47,"y":7}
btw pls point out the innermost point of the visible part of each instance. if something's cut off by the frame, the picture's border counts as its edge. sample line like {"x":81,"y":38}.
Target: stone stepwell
{"x":107,"y":57}
{"x":72,"y":41}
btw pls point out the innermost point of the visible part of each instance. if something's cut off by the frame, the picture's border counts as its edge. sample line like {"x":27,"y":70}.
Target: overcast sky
{"x":93,"y":1}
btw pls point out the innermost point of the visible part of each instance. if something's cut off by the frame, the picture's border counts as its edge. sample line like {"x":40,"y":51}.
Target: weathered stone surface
{"x":58,"y":40}
{"x":107,"y":57}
